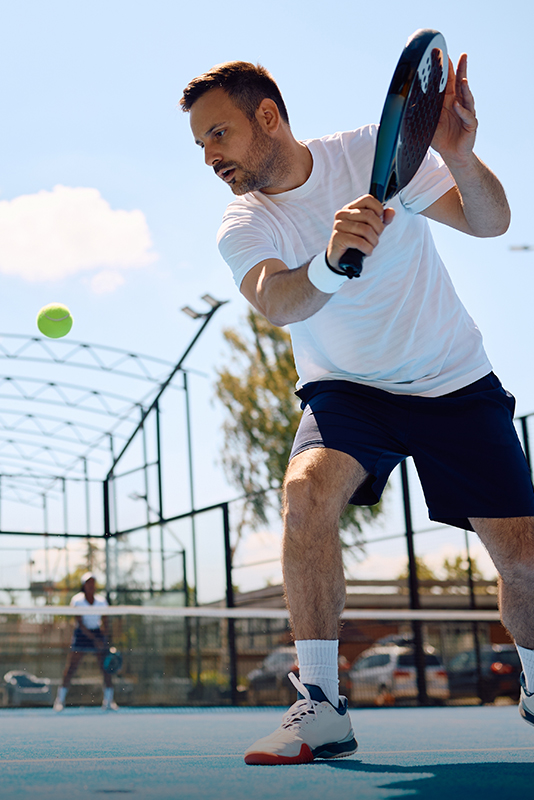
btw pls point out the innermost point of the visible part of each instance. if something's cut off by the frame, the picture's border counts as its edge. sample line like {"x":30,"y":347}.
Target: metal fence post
{"x":420,"y":658}
{"x":232,"y":653}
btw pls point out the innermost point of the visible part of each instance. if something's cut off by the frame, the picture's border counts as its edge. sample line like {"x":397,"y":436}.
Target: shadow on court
{"x":496,"y":780}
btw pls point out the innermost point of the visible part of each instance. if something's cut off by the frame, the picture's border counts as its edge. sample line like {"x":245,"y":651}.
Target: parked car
{"x":21,"y":688}
{"x":500,"y":669}
{"x":386,"y":674}
{"x":269,"y":683}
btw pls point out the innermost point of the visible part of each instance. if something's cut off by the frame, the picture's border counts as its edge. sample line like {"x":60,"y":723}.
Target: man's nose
{"x":211,"y":156}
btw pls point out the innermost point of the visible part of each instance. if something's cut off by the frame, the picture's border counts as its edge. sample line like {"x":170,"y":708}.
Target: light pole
{"x":214,"y":305}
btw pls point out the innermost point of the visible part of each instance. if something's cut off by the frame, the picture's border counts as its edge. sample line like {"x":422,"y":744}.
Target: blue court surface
{"x":450,"y":753}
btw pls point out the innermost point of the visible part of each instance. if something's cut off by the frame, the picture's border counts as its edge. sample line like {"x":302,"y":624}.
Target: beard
{"x":264,"y":166}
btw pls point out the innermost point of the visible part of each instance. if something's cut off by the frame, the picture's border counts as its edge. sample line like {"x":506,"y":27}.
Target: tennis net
{"x":218,"y":656}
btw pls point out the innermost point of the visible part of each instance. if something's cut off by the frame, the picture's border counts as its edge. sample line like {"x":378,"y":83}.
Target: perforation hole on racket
{"x":409,"y":120}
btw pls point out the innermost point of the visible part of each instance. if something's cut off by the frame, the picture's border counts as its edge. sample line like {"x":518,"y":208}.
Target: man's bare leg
{"x":318,"y":485}
{"x":510,"y":543}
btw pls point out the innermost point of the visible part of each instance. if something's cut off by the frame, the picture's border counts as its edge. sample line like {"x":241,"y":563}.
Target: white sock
{"x":318,"y":665}
{"x":108,"y":694}
{"x":62,"y":694}
{"x":527,"y":660}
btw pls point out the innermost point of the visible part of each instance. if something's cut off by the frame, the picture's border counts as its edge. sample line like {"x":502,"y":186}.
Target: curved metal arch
{"x":61,"y":390}
{"x":122,"y":412}
{"x":19,"y":444}
{"x":36,"y":426}
{"x":93,"y":356}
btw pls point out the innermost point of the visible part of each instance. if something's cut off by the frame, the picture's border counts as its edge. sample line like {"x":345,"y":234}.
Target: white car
{"x":384,"y":675}
{"x":22,"y":688}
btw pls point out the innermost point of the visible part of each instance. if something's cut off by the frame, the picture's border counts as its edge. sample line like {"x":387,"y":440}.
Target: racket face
{"x":112,"y":661}
{"x":411,"y":113}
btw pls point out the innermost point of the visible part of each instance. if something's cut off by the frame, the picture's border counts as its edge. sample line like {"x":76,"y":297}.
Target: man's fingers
{"x":366,"y":201}
{"x":388,"y":216}
{"x":361,"y":216}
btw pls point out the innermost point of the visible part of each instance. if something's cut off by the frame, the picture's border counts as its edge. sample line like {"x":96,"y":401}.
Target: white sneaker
{"x":109,"y":705}
{"x":312,"y":728}
{"x":526,"y":702}
{"x":58,"y":705}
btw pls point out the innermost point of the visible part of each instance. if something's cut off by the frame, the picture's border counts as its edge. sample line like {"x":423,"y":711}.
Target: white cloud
{"x":106,"y":281}
{"x":50,"y":235}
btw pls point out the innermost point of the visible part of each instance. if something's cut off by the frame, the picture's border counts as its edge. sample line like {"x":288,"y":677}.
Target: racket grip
{"x":351,"y":263}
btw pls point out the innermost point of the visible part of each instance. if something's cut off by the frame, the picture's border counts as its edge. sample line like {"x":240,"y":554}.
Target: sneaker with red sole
{"x":526,"y":702}
{"x":312,"y":728}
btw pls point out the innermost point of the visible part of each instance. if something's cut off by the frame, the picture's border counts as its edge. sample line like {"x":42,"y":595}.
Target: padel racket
{"x":112,"y":660}
{"x":409,"y":119}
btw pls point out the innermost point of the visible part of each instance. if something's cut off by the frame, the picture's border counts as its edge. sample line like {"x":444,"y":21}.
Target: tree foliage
{"x":458,"y":569}
{"x":454,"y":569}
{"x":258,"y":391}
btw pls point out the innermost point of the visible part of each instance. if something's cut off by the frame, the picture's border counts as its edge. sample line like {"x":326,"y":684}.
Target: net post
{"x":420,"y":660}
{"x":107,"y":534}
{"x":232,"y":654}
{"x":160,"y":494}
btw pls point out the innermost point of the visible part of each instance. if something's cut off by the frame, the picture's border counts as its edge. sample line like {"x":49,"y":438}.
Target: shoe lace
{"x":298,"y":710}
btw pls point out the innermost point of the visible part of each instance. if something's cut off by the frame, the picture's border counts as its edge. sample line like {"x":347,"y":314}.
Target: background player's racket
{"x":409,"y":119}
{"x":112,"y":660}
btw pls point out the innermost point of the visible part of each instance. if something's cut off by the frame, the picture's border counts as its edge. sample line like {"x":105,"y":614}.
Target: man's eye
{"x":220,"y":134}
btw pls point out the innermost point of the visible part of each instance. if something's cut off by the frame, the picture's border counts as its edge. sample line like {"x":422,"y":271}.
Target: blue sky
{"x":89,"y":98}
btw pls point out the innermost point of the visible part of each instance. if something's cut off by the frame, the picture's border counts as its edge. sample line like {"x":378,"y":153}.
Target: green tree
{"x":258,"y":391}
{"x":424,"y":571}
{"x":458,"y":569}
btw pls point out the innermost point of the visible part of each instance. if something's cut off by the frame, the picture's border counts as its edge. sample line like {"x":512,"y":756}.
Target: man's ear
{"x":268,"y":116}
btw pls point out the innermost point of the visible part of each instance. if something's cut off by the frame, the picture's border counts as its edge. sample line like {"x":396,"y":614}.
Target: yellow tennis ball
{"x":54,"y":320}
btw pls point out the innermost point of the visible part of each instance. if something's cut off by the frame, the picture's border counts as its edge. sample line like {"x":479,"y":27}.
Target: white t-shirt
{"x":400,"y":326}
{"x":91,"y":621}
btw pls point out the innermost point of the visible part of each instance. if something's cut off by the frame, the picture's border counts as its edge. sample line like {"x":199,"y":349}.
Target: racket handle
{"x":351,"y":263}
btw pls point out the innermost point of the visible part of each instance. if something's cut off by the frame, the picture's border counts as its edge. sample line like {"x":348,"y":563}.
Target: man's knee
{"x":510,"y":543}
{"x":319,"y":483}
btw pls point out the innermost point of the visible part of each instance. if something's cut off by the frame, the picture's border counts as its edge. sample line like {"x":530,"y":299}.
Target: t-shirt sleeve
{"x":431,"y":181}
{"x":244,"y":240}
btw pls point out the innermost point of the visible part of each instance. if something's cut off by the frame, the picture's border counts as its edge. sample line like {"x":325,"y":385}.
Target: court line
{"x":444,"y":750}
{"x":57,"y":760}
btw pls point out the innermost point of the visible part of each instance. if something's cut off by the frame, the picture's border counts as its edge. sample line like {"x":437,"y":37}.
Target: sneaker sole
{"x":527,"y":715}
{"x":306,"y":755}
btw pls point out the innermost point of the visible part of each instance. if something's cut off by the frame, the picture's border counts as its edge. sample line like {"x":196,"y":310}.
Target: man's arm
{"x":286,"y":295}
{"x":477,"y":205}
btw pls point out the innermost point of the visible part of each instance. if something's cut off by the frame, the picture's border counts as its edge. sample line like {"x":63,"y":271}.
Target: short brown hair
{"x":247,"y":84}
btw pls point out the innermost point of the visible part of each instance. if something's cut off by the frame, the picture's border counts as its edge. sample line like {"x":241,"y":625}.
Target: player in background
{"x":390,"y":364}
{"x":90,"y":636}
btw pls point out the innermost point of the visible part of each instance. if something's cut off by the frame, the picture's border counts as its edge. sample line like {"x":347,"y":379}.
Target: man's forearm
{"x":288,"y":296}
{"x":482,"y":196}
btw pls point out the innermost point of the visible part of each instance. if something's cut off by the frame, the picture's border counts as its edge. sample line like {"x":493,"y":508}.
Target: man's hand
{"x":358,"y":225}
{"x":455,"y":135}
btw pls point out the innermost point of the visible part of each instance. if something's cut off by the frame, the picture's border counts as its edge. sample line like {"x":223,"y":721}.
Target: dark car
{"x":269,"y":683}
{"x":500,"y":669}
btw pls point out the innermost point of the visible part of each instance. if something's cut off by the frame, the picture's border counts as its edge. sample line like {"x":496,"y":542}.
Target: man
{"x":90,"y":636}
{"x":390,"y":364}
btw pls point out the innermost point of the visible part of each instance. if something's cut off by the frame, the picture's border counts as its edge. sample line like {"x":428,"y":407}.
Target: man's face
{"x":241,"y":153}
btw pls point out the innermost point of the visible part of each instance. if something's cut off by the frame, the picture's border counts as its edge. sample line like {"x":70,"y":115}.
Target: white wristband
{"x":322,"y":277}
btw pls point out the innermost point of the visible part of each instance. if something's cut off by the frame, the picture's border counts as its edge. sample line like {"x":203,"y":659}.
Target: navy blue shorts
{"x":81,"y":643}
{"x":464,"y":444}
